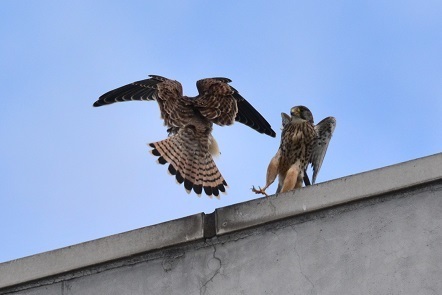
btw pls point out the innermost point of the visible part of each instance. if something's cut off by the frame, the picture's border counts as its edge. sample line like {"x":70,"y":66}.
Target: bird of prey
{"x":190,"y":145}
{"x":302,"y":143}
{"x":324,"y":130}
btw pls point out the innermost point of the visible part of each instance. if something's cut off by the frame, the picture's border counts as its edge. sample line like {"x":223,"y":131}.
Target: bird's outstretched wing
{"x":222,"y":104}
{"x":168,"y":93}
{"x":325,"y":130}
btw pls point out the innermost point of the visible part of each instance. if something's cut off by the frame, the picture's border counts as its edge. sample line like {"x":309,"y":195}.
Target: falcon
{"x":189,"y":148}
{"x":302,"y":143}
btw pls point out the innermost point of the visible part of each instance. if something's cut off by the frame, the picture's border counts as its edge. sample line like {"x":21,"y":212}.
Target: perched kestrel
{"x":325,"y":130}
{"x":190,"y":145}
{"x":301,"y":143}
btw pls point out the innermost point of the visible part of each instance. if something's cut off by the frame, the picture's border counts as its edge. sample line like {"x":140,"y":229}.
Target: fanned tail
{"x":191,"y":162}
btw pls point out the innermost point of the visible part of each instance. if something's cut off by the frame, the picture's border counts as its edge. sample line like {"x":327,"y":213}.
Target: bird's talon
{"x":259,"y":191}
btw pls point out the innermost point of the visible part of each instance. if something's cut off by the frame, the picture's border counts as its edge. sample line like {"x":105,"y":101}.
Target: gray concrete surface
{"x":380,"y":234}
{"x":331,"y":193}
{"x":98,"y":251}
{"x":54,"y":289}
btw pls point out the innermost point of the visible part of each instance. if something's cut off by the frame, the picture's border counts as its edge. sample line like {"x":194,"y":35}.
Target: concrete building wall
{"x":378,"y":232}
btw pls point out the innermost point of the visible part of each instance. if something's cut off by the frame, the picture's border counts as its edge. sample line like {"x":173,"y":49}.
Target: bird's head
{"x":302,"y":112}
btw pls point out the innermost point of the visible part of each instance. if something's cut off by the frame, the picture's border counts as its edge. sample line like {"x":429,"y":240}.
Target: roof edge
{"x":328,"y":194}
{"x":102,"y":250}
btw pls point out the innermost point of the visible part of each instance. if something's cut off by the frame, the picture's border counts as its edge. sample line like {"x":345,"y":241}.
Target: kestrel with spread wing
{"x":190,"y":145}
{"x":302,"y":143}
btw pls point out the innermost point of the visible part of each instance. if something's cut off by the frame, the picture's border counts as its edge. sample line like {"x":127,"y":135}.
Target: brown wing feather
{"x":215,"y":101}
{"x":175,"y":109}
{"x":140,"y":90}
{"x":225,"y":105}
{"x":325,"y":130}
{"x":249,"y":116}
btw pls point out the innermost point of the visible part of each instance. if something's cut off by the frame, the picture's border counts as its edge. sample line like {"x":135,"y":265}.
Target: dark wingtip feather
{"x":198,"y":189}
{"x":188,"y":185}
{"x":208,"y":190}
{"x":172,"y":169}
{"x":161,"y":160}
{"x":179,"y":178}
{"x":155,"y":152}
{"x":221,"y":188}
{"x":139,"y":90}
{"x":215,"y":191}
{"x":249,"y":116}
{"x":97,"y":104}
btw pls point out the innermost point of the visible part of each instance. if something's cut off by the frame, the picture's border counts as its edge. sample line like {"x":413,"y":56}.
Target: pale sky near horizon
{"x":72,"y":173}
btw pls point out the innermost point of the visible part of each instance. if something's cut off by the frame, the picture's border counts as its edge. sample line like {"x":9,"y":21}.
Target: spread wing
{"x":223,"y":105}
{"x":325,"y":130}
{"x":168,"y":93}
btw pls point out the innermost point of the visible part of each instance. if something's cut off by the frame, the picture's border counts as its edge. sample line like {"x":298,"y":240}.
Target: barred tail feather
{"x":190,"y":162}
{"x":213,"y":182}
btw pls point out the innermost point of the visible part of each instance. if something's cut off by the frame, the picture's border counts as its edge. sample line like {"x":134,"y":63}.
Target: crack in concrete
{"x":204,"y":285}
{"x":299,"y":263}
{"x":273,"y":207}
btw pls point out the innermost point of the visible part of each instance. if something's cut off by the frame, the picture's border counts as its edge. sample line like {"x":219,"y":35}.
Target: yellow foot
{"x":259,"y":191}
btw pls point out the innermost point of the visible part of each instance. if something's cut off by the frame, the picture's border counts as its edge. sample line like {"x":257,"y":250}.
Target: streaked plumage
{"x":301,"y":143}
{"x":325,"y":130}
{"x":190,"y":146}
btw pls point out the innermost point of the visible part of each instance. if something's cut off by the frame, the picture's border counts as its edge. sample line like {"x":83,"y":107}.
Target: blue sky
{"x":71,"y":173}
